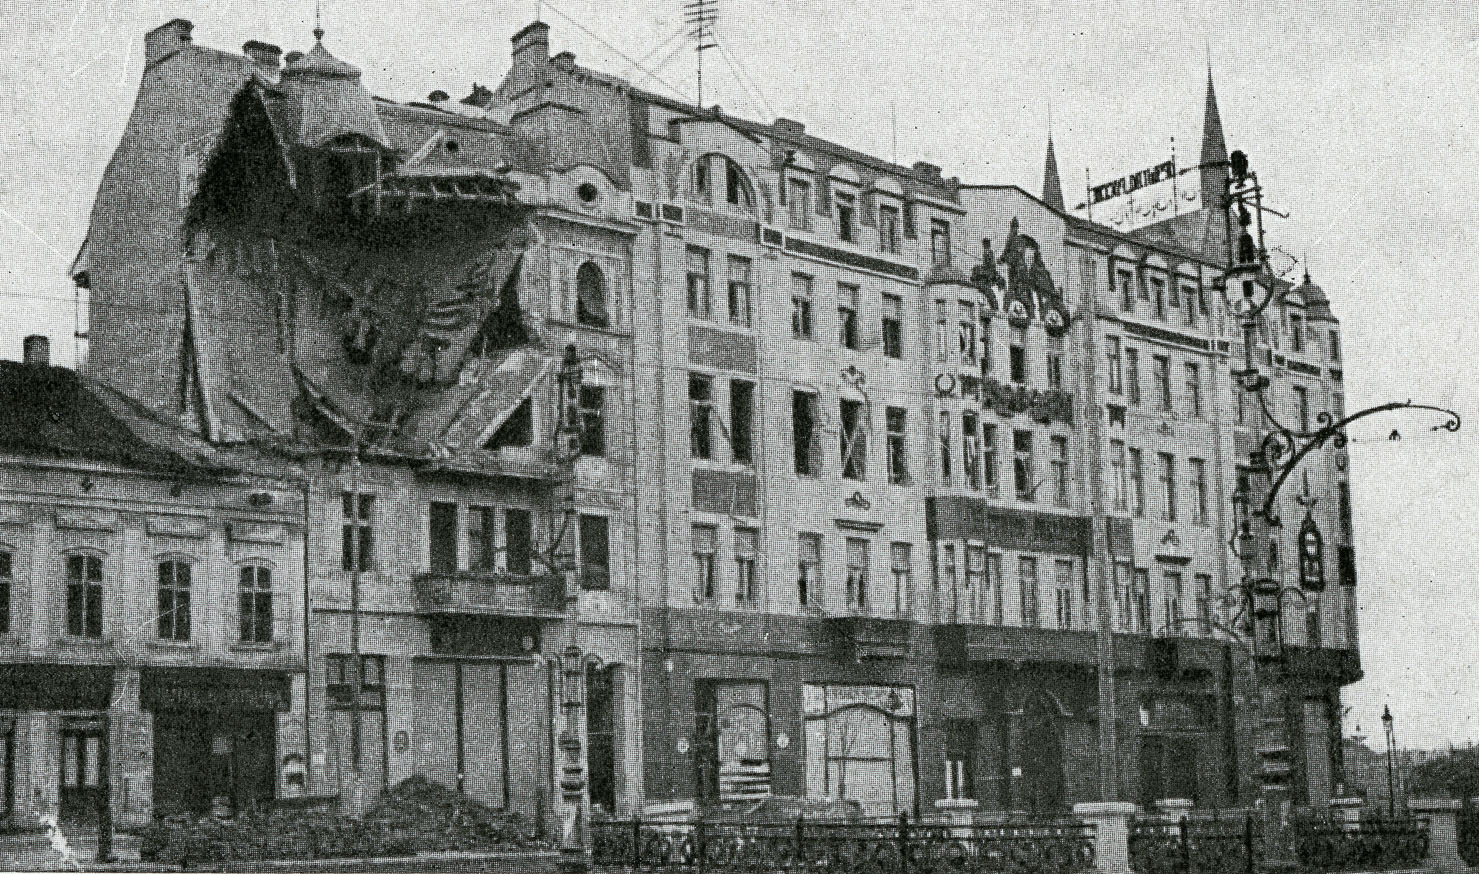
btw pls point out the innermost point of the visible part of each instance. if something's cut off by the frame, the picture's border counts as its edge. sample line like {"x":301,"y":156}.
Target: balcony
{"x":861,"y":637}
{"x":490,"y":595}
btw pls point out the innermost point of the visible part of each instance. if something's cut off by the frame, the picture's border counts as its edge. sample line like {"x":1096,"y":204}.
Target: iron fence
{"x":1194,"y":845}
{"x":1373,"y":844}
{"x":878,"y":847}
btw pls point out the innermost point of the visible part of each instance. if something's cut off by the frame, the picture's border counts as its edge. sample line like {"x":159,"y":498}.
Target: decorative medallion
{"x":944,"y":385}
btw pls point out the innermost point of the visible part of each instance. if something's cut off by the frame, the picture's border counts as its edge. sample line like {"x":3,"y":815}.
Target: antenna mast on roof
{"x":700,"y":16}
{"x":318,"y":23}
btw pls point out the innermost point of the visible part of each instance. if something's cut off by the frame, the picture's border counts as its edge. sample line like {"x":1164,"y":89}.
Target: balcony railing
{"x":493,"y":594}
{"x":870,"y":637}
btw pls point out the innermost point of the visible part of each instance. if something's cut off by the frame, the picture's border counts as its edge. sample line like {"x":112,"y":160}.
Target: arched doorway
{"x":1040,"y":755}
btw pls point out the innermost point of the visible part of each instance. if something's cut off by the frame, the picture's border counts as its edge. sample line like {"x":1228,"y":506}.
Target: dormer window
{"x":798,"y":203}
{"x":939,"y":242}
{"x":344,"y":167}
{"x":888,"y":227}
{"x":736,"y":187}
{"x":846,"y":203}
{"x":711,"y":171}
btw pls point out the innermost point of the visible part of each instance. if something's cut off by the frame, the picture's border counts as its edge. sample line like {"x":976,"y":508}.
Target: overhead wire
{"x":618,"y":52}
{"x":743,"y":75}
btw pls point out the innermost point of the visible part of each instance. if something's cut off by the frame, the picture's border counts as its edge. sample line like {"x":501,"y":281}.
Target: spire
{"x":1052,"y":188}
{"x":1214,"y":149}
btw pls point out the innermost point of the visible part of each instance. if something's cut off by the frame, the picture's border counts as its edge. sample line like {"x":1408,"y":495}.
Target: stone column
{"x":1442,"y":817}
{"x":1111,"y":822}
{"x":1347,"y":812}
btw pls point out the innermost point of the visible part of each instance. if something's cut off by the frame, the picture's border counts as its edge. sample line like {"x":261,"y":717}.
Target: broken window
{"x":854,"y":440}
{"x":804,"y":427}
{"x":741,"y":421}
{"x":700,"y":411}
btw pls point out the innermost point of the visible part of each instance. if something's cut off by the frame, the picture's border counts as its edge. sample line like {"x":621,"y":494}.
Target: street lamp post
{"x":1386,"y":724}
{"x":573,"y":856}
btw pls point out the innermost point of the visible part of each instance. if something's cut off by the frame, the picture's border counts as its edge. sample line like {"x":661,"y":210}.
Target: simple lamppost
{"x":1391,"y":735}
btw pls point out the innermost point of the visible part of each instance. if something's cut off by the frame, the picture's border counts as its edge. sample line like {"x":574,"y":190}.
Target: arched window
{"x":174,"y":600}
{"x":255,"y":601}
{"x":85,"y":596}
{"x":719,"y":179}
{"x":590,"y":296}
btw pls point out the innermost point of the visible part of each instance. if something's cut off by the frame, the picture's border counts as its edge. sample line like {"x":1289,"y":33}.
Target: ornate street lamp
{"x":573,"y":855}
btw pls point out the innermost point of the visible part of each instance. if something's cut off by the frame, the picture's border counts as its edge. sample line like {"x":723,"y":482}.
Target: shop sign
{"x":1132,"y":182}
{"x":822,"y":700}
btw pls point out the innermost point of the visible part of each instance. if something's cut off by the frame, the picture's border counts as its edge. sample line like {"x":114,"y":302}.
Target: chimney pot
{"x":530,"y":68}
{"x":36,"y":349}
{"x":165,"y":40}
{"x":265,"y":55}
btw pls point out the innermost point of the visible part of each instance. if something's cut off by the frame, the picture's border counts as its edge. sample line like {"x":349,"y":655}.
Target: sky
{"x":1362,"y":126}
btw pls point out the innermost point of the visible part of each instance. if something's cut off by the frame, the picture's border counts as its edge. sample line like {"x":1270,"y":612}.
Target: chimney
{"x":530,"y":68}
{"x":564,"y":61}
{"x":789,"y":126}
{"x":265,"y":55}
{"x":36,"y":350}
{"x":165,"y":40}
{"x":929,"y":171}
{"x":292,"y":58}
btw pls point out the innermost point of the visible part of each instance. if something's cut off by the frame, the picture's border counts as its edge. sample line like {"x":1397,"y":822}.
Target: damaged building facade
{"x":847,"y":479}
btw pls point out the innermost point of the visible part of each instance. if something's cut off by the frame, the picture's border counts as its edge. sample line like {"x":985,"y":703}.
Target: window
{"x":1174,"y":291}
{"x":1158,"y":292}
{"x":893,"y":326}
{"x":1189,"y":295}
{"x":987,"y":362}
{"x":742,"y":421}
{"x":1313,"y":633}
{"x":1118,"y":475}
{"x":1344,"y":502}
{"x":901,"y":566}
{"x":960,"y":755}
{"x":804,"y":430}
{"x":1193,"y":390}
{"x":254,"y":604}
{"x":746,"y":586}
{"x":1063,"y":592}
{"x":1199,"y":491}
{"x":590,"y":296}
{"x":808,"y":569}
{"x":736,"y":187}
{"x":1137,"y":482}
{"x":857,"y":574}
{"x":942,"y":331}
{"x":703,"y":178}
{"x":896,"y":419}
{"x":798,"y":203}
{"x":1116,"y":371}
{"x":173,"y":618}
{"x":595,"y":552}
{"x":358,"y":531}
{"x":989,"y":471}
{"x":1120,"y":596}
{"x":847,"y":316}
{"x":699,"y":303}
{"x":1018,"y":354}
{"x":1140,"y":596}
{"x":946,"y":463}
{"x":1334,"y":346}
{"x":993,"y":579}
{"x":739,"y":291}
{"x":1055,"y":362}
{"x":340,"y":680}
{"x":1302,"y":407}
{"x":1204,"y":603}
{"x":1059,"y":462}
{"x":85,"y":596}
{"x":700,"y":412}
{"x":704,"y":537}
{"x":1022,"y":466}
{"x":1027,"y":583}
{"x":1132,"y":364}
{"x":976,"y":603}
{"x":965,"y":334}
{"x":802,"y":325}
{"x":1242,"y":405}
{"x":6,"y":578}
{"x":888,"y":227}
{"x":947,"y":571}
{"x":1127,"y":291}
{"x":482,"y":548}
{"x":1163,"y":382}
{"x":970,"y":449}
{"x":1296,"y":332}
{"x":846,"y":204}
{"x":1168,"y":485}
{"x":442,"y":537}
{"x":854,"y":434}
{"x":592,"y":420}
{"x":939,"y":242}
{"x":1174,"y":595}
{"x":518,"y":541}
{"x":517,"y":430}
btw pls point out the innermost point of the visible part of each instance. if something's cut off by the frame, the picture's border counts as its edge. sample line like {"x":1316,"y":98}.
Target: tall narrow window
{"x":1018,"y":353}
{"x":960,"y":757}
{"x":804,"y":428}
{"x":482,"y":548}
{"x":846,"y":205}
{"x":1158,"y":292}
{"x":595,"y":552}
{"x":1119,"y":475}
{"x":857,"y":574}
{"x":1189,"y":294}
{"x":1116,"y":371}
{"x":358,"y":531}
{"x":1140,"y":596}
{"x":948,"y":575}
{"x":893,"y":326}
{"x":1022,"y":466}
{"x":700,"y":414}
{"x":704,"y":537}
{"x":1198,"y":491}
{"x":6,"y":578}
{"x":1055,"y":362}
{"x":736,"y":189}
{"x":970,"y":449}
{"x":1344,"y":507}
{"x":1027,"y":583}
{"x":1174,"y":596}
{"x":854,"y":436}
{"x":746,"y":584}
{"x":1174,"y":291}
{"x":965,"y":333}
{"x":990,"y":470}
{"x":739,"y":291}
{"x":896,"y":419}
{"x":1060,"y":470}
{"x":592,"y":420}
{"x":939,"y":242}
{"x":699,"y":302}
{"x":1302,"y":407}
{"x":742,"y":421}
{"x":1132,"y":366}
{"x":254,"y":604}
{"x":802,"y":325}
{"x":808,"y":570}
{"x":987,"y":357}
{"x":847,"y":316}
{"x":798,"y":203}
{"x":1127,"y":290}
{"x":977,"y":599}
{"x":1193,"y":390}
{"x":993,"y":579}
{"x":590,"y":296}
{"x":1163,"y":382}
{"x":1296,"y":332}
{"x":1334,"y":346}
{"x":518,"y":541}
{"x":1204,"y":603}
{"x":85,"y":596}
{"x":1168,"y":486}
{"x":901,"y":565}
{"x":888,"y":227}
{"x":442,"y":537}
{"x":1137,"y":482}
{"x":1063,"y":592}
{"x":174,"y":600}
{"x":942,"y":331}
{"x":946,"y":462}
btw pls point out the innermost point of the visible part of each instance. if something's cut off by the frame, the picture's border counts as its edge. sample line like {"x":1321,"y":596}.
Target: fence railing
{"x":879,"y":847}
{"x":1371,"y":845}
{"x":1194,"y":845}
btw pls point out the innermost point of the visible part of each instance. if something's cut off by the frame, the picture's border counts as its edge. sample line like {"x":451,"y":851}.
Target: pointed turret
{"x":1214,"y":150}
{"x":1052,"y":187}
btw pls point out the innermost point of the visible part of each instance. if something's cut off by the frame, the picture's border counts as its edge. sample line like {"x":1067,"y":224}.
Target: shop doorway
{"x":600,"y":718}
{"x":213,"y":762}
{"x":1042,"y":756}
{"x":84,"y":755}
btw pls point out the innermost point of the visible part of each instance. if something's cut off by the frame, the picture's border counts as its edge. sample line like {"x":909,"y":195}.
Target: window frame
{"x":741,"y":291}
{"x":594,"y":575}
{"x":803,"y":306}
{"x":699,"y":271}
{"x":891,"y":320}
{"x":896,"y":427}
{"x":852,"y":427}
{"x":704,"y":543}
{"x":168,"y":624}
{"x":255,"y":602}
{"x":700,"y":416}
{"x":84,"y":593}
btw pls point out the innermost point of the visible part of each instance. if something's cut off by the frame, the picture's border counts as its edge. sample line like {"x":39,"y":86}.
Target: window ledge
{"x":172,"y":645}
{"x":68,"y":640}
{"x":271,"y":646}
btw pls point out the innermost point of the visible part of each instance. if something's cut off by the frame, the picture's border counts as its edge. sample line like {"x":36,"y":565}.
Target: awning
{"x":55,"y":687}
{"x":212,"y":689}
